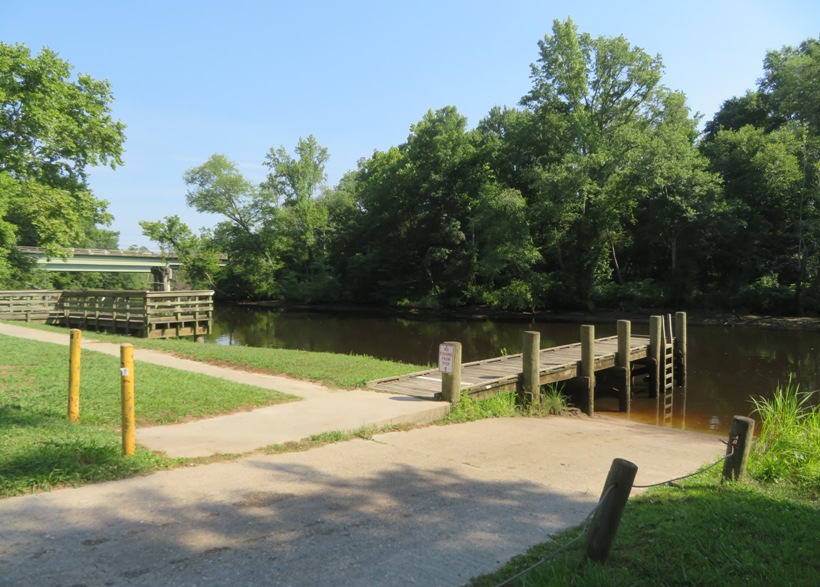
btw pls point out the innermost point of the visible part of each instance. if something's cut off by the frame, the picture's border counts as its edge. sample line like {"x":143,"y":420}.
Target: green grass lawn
{"x":334,"y":370}
{"x":41,"y":449}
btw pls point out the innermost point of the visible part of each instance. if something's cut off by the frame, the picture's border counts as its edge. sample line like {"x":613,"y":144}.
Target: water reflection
{"x":726,"y":365}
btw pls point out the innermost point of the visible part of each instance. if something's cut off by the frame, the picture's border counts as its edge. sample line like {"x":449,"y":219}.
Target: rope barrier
{"x":557,"y":551}
{"x":715,"y":464}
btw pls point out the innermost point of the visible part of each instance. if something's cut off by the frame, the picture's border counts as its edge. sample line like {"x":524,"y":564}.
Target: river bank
{"x":699,"y":317}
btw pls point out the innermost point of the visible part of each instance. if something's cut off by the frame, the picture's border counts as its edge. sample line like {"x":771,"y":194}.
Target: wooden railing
{"x":29,"y":305}
{"x":146,"y":314}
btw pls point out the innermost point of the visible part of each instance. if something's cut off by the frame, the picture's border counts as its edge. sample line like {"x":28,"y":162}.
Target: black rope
{"x":715,"y":464}
{"x":557,"y":551}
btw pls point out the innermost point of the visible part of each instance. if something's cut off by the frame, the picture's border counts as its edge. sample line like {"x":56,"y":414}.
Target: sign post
{"x":449,"y":363}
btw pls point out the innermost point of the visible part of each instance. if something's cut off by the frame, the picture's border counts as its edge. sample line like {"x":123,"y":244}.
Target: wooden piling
{"x":624,"y":366}
{"x":450,"y":372}
{"x":531,"y":374}
{"x":129,"y":432}
{"x":737,"y":451}
{"x":588,"y":366}
{"x":656,"y":358}
{"x":680,"y":348}
{"x":74,"y":358}
{"x":607,"y":518}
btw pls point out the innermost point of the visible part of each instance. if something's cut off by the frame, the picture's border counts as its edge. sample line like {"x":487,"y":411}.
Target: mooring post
{"x":531,"y":374}
{"x":127,"y":392}
{"x":680,"y":347}
{"x":588,"y":366}
{"x":624,"y":366}
{"x":737,"y":451}
{"x":74,"y":358}
{"x":656,"y":354}
{"x":607,"y":516}
{"x":449,"y":363}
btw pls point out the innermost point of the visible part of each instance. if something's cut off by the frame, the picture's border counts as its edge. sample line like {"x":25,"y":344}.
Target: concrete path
{"x":432,"y":506}
{"x":321,"y":410}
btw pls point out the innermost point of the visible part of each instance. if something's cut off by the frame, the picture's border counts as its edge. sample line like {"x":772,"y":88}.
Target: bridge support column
{"x":588,"y":367}
{"x":531,"y":375}
{"x":162,"y":278}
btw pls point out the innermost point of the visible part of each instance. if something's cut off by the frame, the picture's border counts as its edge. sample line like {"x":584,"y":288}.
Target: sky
{"x":194,"y":78}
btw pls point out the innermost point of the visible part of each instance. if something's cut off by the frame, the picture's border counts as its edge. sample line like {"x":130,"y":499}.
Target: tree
{"x":198,"y":259}
{"x":248,"y":236}
{"x":53,"y":127}
{"x":766,"y":147}
{"x":302,"y":218}
{"x":593,"y":95}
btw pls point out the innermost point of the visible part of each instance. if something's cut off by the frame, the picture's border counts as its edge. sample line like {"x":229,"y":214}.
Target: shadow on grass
{"x":693,"y":535}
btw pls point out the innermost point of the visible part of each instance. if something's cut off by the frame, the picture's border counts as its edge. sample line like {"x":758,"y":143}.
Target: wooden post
{"x":680,"y":347}
{"x":740,"y":444}
{"x":450,"y":367}
{"x":588,"y":366}
{"x":127,"y":389}
{"x":531,"y":375}
{"x":74,"y":358}
{"x":622,"y":360}
{"x":656,"y":355}
{"x":607,"y":517}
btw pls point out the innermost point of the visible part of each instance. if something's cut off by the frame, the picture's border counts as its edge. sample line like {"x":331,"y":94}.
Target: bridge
{"x":101,"y":260}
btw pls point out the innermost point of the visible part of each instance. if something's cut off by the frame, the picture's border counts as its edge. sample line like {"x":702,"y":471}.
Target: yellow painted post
{"x":127,"y":388}
{"x":74,"y":356}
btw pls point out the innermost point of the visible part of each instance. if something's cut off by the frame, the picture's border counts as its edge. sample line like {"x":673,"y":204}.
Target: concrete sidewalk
{"x":321,"y":410}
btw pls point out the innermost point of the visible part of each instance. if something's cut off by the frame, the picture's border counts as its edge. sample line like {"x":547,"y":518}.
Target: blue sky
{"x":196,"y":78}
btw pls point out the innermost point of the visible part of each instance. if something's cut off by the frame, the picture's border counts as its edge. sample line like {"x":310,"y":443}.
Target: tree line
{"x":596,"y":190}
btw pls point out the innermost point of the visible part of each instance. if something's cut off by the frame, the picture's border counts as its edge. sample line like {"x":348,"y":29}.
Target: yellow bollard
{"x":127,"y":387}
{"x":74,"y":375}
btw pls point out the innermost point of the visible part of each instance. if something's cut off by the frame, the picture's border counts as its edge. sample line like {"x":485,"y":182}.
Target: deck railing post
{"x":680,"y":347}
{"x":450,"y":367}
{"x":531,"y":375}
{"x":588,"y":366}
{"x":624,"y":366}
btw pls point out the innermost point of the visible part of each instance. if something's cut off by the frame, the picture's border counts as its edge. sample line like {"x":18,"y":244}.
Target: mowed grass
{"x":331,"y":369}
{"x":39,"y":447}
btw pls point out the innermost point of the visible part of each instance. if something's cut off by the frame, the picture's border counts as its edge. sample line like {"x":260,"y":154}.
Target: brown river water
{"x":726,"y":366}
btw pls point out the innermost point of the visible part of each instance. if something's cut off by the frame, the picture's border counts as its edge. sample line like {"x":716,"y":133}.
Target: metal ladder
{"x":668,"y":370}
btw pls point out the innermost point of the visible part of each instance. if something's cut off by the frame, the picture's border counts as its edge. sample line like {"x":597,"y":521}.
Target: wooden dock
{"x":557,"y":364}
{"x":623,"y":357}
{"x":145,"y":314}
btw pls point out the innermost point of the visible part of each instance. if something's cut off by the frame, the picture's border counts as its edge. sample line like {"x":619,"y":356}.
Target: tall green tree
{"x":297,"y":184}
{"x":53,"y":128}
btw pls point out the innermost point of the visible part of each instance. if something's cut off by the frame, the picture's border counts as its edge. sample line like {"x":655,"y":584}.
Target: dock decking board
{"x":557,"y":364}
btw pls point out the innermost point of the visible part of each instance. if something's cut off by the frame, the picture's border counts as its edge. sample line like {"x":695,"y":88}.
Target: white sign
{"x":446,"y":357}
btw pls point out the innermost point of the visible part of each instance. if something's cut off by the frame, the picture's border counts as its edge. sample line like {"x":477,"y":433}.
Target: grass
{"x":334,"y":370}
{"x":42,"y":450}
{"x":704,"y":531}
{"x":788,"y":449}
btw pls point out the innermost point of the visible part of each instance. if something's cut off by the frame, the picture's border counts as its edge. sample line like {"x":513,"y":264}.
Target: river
{"x":727,"y":366}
